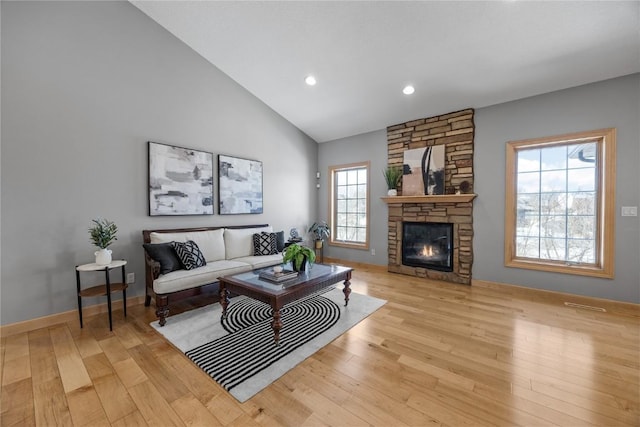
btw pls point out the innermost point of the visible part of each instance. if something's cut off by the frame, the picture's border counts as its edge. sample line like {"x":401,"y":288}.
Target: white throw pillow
{"x":239,"y":242}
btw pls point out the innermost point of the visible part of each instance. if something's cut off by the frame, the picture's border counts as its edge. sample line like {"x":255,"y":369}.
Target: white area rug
{"x":240,"y":353}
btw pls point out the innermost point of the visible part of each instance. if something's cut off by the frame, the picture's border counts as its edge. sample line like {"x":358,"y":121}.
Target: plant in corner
{"x":320,"y":231}
{"x":392,"y":176}
{"x":102,"y":234}
{"x":298,"y":255}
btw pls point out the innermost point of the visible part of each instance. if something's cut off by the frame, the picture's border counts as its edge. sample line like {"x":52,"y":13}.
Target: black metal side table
{"x":104,"y":289}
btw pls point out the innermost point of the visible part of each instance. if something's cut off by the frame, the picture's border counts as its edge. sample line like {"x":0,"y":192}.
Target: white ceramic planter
{"x":392,"y":192}
{"x":103,"y":257}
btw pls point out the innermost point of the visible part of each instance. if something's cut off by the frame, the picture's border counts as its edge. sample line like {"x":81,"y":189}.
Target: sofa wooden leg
{"x":162,"y":309}
{"x":147,"y":300}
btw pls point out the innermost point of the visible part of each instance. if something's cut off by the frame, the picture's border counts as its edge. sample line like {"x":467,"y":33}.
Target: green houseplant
{"x":392,"y":176}
{"x":102,"y":234}
{"x":320,"y":231}
{"x":298,"y":255}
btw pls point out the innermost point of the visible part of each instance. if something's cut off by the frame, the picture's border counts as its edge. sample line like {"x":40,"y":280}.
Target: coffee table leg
{"x":346,"y":291}
{"x":224,"y":299}
{"x":276,"y":324}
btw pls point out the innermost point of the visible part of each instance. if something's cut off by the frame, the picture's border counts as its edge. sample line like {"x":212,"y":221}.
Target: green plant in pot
{"x":102,"y":234}
{"x":298,"y":255}
{"x":392,"y":176}
{"x":320,"y":231}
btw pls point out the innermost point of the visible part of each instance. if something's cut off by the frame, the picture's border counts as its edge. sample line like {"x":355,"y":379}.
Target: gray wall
{"x":370,"y":147}
{"x":611,"y":103}
{"x":85,"y":85}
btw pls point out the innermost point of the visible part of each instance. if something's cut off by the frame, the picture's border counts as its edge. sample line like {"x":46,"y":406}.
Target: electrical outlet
{"x":131,"y":277}
{"x":629,"y":211}
{"x":373,"y":251}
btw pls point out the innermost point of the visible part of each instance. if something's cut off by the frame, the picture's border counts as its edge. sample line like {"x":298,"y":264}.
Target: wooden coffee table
{"x":318,"y":277}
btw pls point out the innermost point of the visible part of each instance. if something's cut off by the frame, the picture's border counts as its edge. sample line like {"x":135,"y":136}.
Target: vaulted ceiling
{"x":456,"y":54}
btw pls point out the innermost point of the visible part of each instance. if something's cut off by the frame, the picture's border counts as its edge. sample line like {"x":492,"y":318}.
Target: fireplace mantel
{"x":446,"y":198}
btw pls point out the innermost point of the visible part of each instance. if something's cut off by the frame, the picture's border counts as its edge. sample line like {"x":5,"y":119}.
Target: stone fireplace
{"x":450,"y":215}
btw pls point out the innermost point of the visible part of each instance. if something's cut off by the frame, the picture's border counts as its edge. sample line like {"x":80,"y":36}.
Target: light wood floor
{"x":435,"y":354}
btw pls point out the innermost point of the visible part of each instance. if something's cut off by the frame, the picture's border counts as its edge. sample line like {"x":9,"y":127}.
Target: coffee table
{"x":316,"y":278}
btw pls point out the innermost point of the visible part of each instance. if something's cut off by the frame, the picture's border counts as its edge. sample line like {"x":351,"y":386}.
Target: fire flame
{"x":427,"y":251}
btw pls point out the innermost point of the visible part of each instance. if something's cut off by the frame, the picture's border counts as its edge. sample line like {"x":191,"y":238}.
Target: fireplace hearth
{"x":428,"y":245}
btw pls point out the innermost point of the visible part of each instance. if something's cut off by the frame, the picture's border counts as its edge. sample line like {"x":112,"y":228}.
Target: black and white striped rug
{"x":239,"y":352}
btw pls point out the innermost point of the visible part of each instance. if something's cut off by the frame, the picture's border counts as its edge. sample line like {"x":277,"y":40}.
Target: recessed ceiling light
{"x":310,"y":80}
{"x":408,"y":90}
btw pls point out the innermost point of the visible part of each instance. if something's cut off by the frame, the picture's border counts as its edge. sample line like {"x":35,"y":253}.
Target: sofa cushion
{"x":239,"y":242}
{"x":210,"y":242}
{"x":261,"y":261}
{"x":189,"y":254}
{"x":264,"y":244}
{"x":186,"y":279}
{"x":165,"y":255}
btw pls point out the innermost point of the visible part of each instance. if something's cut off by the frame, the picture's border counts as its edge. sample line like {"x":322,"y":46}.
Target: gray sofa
{"x":227,"y":251}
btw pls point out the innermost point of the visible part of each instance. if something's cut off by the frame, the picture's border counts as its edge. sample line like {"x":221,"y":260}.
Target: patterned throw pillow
{"x":190,"y":255}
{"x":264,"y":244}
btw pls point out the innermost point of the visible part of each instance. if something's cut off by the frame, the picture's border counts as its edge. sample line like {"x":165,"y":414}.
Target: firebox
{"x":428,"y":245}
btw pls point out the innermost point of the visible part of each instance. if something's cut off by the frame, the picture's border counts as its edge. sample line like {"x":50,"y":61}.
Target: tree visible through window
{"x":559,"y":213}
{"x":350,"y":205}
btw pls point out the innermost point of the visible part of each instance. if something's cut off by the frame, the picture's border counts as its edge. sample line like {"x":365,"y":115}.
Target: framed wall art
{"x":240,"y":185}
{"x":423,"y":171}
{"x":180,"y":181}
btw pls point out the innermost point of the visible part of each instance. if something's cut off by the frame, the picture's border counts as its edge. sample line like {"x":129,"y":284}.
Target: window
{"x":559,"y":213}
{"x":350,"y":205}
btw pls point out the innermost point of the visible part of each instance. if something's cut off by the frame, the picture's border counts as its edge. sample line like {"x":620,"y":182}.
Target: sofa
{"x":226,"y":251}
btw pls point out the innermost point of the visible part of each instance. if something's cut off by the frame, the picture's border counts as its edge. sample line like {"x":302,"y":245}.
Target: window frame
{"x":605,"y":204}
{"x":332,"y":205}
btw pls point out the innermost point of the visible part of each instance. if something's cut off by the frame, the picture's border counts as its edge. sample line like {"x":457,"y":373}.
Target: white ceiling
{"x":456,"y":54}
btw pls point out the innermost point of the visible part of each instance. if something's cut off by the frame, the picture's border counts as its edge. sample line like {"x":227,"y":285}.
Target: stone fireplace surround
{"x":456,"y":131}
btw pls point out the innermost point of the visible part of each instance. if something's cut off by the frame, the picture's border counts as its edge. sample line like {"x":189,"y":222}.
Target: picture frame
{"x":424,"y":171}
{"x":180,"y":180}
{"x":240,"y":186}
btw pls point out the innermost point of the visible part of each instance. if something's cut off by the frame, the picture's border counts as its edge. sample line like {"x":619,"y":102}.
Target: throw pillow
{"x":165,"y":255}
{"x":264,"y":244}
{"x":190,"y":255}
{"x":280,"y":241}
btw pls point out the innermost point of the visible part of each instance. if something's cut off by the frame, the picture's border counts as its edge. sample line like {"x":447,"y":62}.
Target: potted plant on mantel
{"x":298,"y":255}
{"x":392,"y":175}
{"x":102,"y":234}
{"x":320,"y":231}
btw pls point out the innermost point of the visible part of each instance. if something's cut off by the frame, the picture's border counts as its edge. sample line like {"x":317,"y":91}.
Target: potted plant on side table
{"x":320,"y":231}
{"x":392,"y":176}
{"x":298,"y":255}
{"x":102,"y":234}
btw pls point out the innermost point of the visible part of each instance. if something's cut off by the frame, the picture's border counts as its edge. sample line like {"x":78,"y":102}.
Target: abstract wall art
{"x":180,"y":181}
{"x":423,"y":171}
{"x":240,"y":189}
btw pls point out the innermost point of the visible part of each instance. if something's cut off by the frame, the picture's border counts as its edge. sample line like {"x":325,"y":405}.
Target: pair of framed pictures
{"x":181,"y":182}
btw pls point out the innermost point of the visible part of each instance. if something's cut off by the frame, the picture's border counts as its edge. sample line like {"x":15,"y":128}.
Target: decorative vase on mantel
{"x":392,"y":192}
{"x":103,"y":256}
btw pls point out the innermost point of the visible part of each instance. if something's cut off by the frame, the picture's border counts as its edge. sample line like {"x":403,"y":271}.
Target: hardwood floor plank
{"x":17,"y":405}
{"x":115,"y":399}
{"x":42,"y":358}
{"x":17,"y":366}
{"x":72,"y":371}
{"x":155,"y":410}
{"x":193,"y":412}
{"x":50,"y":403}
{"x":134,"y":419}
{"x":129,"y":373}
{"x":85,"y":407}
